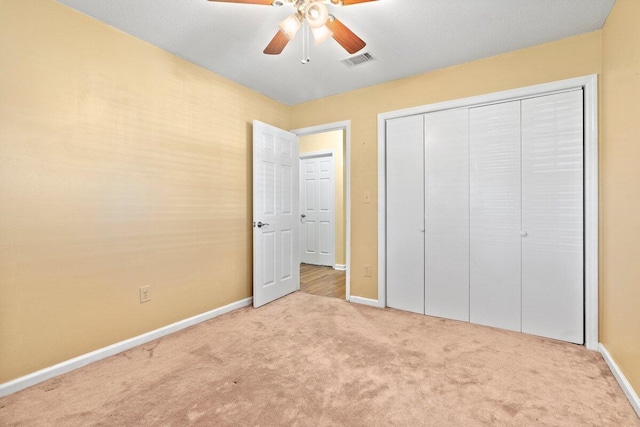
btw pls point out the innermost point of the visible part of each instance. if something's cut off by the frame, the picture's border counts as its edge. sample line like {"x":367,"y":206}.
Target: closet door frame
{"x":589,"y":85}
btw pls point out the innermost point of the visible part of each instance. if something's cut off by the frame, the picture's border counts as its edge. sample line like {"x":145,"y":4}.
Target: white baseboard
{"x":622,"y":380}
{"x":341,"y":267}
{"x":364,"y":301}
{"x":102,"y":353}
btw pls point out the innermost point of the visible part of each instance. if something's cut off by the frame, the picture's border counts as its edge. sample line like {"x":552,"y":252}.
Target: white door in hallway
{"x":317,"y":209}
{"x":276,"y":256}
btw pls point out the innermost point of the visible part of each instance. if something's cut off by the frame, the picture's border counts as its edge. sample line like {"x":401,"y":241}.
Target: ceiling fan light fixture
{"x":317,"y":14}
{"x":320,"y":34}
{"x":290,"y":26}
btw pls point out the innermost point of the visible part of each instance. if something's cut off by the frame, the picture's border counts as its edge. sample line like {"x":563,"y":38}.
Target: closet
{"x":484,"y":211}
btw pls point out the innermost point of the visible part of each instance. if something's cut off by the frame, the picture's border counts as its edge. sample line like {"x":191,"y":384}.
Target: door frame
{"x":316,"y":155}
{"x":589,"y":84}
{"x":345,"y":126}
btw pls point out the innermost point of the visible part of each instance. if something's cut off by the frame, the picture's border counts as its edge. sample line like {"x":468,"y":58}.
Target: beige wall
{"x":620,"y":189}
{"x":120,"y":166}
{"x":333,"y":140}
{"x":572,"y":57}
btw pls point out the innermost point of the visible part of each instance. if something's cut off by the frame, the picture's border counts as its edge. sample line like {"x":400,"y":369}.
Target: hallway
{"x":322,"y":281}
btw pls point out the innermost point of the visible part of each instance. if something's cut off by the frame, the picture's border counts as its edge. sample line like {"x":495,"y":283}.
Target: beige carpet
{"x":306,"y":360}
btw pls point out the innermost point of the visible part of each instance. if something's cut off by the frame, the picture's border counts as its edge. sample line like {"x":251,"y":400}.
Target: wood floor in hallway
{"x":322,"y":281}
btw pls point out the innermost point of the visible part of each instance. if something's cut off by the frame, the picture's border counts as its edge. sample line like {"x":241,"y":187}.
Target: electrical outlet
{"x":367,"y":196}
{"x":145,"y":294}
{"x":367,"y":270}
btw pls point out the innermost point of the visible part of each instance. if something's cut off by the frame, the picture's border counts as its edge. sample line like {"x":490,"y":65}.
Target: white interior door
{"x":276,"y":254}
{"x":552,"y":217}
{"x":405,"y":213}
{"x":495,"y":216}
{"x":447,"y":214}
{"x":317,"y":209}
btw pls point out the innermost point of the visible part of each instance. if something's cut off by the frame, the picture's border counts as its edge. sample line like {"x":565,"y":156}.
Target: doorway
{"x":323,"y":281}
{"x":588,"y":85}
{"x":325,"y":256}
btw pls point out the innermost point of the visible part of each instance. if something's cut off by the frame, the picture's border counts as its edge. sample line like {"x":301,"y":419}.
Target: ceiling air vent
{"x":358,"y":59}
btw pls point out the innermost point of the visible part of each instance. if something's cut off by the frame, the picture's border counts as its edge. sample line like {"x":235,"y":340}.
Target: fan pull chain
{"x":305,"y":43}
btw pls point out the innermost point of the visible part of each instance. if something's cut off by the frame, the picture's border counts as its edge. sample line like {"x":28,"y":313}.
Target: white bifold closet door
{"x":552,"y":216}
{"x":495,"y":215}
{"x":405,"y":213}
{"x":526,"y":216}
{"x":446,"y":281}
{"x":485,"y":215}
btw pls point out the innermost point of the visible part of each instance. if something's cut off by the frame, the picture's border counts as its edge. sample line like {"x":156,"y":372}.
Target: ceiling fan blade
{"x":348,"y":2}
{"x":264,"y":2}
{"x":277,"y":44}
{"x":345,"y":37}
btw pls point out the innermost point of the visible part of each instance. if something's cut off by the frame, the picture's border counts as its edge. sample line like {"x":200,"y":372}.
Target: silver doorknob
{"x":262,"y":224}
{"x":523,"y":233}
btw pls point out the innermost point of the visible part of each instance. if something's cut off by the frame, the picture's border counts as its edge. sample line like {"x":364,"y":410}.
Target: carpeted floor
{"x":306,"y":360}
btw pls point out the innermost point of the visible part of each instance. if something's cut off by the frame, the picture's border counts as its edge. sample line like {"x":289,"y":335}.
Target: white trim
{"x":382,"y":209}
{"x":346,"y":127}
{"x":591,"y":179}
{"x":590,"y":86}
{"x":341,"y":267}
{"x":316,"y":155}
{"x":622,"y":380}
{"x":364,"y":301}
{"x":102,"y":353}
{"x":321,"y":153}
{"x":491,"y":98}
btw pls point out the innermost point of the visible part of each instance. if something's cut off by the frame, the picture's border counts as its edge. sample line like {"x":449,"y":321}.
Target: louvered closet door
{"x":495,"y":215}
{"x":405,"y":213}
{"x":447,"y":214}
{"x":552,"y":216}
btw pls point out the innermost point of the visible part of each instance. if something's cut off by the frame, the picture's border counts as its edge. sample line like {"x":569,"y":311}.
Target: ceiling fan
{"x":316,"y":15}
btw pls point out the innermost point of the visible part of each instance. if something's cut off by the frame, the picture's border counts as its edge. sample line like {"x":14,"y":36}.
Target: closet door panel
{"x":405,"y":213}
{"x":447,"y":214}
{"x":552,"y":207}
{"x":495,"y":215}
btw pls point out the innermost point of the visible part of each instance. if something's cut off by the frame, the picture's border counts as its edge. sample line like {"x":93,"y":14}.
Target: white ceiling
{"x":407,"y":37}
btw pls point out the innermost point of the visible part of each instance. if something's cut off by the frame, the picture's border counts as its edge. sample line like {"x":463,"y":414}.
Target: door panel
{"x":447,"y":214}
{"x":287,"y":254}
{"x":552,"y":206}
{"x":309,"y":237}
{"x":326,"y":195}
{"x":287,"y":189}
{"x":325,"y":241}
{"x":276,"y":256}
{"x":317,"y":206}
{"x":405,"y":213}
{"x":495,"y":216}
{"x":269,"y":260}
{"x":309,"y":196}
